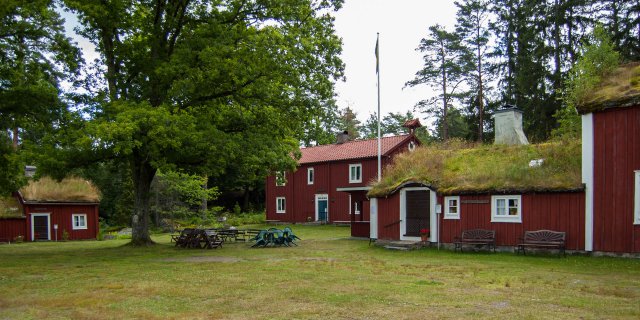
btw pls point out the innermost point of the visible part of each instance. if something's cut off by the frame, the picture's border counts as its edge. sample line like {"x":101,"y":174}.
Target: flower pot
{"x":425,"y":237}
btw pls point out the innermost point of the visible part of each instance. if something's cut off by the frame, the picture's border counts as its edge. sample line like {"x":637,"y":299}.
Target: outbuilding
{"x":46,"y":210}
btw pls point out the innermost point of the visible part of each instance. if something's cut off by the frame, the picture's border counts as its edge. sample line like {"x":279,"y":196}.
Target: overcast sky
{"x":401,"y":24}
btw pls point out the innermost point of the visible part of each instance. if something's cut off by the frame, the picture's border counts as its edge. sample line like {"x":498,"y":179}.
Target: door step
{"x":401,"y":244}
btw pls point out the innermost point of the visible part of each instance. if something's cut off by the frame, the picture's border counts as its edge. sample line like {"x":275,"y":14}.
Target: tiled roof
{"x":356,"y":149}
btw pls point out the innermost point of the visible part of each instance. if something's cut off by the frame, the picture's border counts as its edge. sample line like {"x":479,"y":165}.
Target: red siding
{"x":616,"y":157}
{"x":62,"y":216}
{"x":554,"y":211}
{"x":389,"y":217}
{"x":12,"y":228}
{"x":328,"y":176}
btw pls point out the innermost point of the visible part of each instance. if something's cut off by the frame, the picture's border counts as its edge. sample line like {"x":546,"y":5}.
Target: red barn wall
{"x":12,"y":228}
{"x":616,"y":156}
{"x":61,"y":214}
{"x":389,"y":217}
{"x":552,"y":211}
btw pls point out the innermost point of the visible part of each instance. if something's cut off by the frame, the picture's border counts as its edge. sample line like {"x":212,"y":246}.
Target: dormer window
{"x":355,"y":173}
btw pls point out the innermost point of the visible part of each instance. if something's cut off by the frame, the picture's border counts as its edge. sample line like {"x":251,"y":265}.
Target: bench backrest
{"x":478,"y":234}
{"x":544,"y":236}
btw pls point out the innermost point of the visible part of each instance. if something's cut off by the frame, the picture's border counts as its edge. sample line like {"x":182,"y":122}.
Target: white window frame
{"x":359,"y":178}
{"x":447,"y":209}
{"x":636,"y":208}
{"x":311,"y":175}
{"x":495,"y":217}
{"x":75,"y":226}
{"x":280,"y":209}
{"x":281,"y":178}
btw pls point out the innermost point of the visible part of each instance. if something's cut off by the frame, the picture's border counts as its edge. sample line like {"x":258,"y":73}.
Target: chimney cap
{"x":412,"y":124}
{"x":508,"y":108}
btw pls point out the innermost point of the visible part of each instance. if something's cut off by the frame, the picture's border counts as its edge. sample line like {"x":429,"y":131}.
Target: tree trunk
{"x":480,"y":88}
{"x":245,"y":198}
{"x":143,"y":174}
{"x":203,"y":205}
{"x":445,"y":122}
{"x":15,"y":138}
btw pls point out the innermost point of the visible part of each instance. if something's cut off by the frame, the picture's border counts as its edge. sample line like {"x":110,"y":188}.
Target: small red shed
{"x":509,"y":189}
{"x":49,"y":210}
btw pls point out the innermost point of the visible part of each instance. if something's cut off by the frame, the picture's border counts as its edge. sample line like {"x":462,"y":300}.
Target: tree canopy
{"x":201,"y":85}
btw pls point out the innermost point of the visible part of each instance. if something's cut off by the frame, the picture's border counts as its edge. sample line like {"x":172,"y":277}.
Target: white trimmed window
{"x":452,"y":207}
{"x":506,"y":209}
{"x":310,"y":175}
{"x":281,"y":204}
{"x":636,"y":209}
{"x":281,"y":178}
{"x":355,"y":173}
{"x":79,"y":221}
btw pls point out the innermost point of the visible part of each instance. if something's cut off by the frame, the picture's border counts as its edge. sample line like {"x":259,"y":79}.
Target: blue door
{"x":322,"y":207}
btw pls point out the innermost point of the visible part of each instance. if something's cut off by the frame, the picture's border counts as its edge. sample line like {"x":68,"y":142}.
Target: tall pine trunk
{"x":143,"y":174}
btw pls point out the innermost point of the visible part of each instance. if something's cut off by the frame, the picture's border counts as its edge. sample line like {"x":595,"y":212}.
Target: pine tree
{"x":442,"y":71}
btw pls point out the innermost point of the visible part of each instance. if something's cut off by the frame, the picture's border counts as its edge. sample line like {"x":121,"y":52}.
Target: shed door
{"x":41,"y":227}
{"x":418,"y":204}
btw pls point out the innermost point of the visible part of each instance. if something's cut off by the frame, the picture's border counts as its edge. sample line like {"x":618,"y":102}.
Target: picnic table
{"x":275,"y":237}
{"x":198,"y":238}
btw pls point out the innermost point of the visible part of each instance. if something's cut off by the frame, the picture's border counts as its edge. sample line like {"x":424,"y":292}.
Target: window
{"x":506,"y":209}
{"x":355,"y":173}
{"x":281,"y":205}
{"x":452,"y":207}
{"x":281,"y":178}
{"x":637,"y":199}
{"x":79,"y":221}
{"x":310,"y":176}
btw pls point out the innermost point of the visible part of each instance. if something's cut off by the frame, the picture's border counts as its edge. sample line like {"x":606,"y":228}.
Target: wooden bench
{"x":476,"y":237}
{"x":542,"y":239}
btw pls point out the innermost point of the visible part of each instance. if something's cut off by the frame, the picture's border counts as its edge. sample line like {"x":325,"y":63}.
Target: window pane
{"x":501,"y":209}
{"x":453,"y":209}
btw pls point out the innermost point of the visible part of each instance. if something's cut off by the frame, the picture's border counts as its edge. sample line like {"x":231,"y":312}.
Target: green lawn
{"x":327,"y":277}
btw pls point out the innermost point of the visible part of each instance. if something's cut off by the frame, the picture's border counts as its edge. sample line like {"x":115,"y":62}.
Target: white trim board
{"x":587,"y":178}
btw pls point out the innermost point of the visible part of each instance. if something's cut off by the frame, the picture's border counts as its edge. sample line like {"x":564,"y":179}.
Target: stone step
{"x":397,"y":248}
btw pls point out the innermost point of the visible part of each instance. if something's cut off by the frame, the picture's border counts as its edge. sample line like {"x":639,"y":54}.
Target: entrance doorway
{"x":416,"y":207}
{"x":322,"y":207}
{"x":40,"y":226}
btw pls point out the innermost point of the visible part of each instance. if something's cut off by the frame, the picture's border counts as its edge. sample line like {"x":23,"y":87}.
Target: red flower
{"x":424,"y":231}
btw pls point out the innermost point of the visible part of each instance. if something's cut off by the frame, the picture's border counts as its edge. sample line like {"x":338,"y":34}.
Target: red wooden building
{"x":600,"y":212}
{"x":331,"y":181}
{"x":35,"y":218}
{"x":611,"y":163}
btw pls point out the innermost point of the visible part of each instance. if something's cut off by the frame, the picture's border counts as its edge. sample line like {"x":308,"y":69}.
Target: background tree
{"x":442,"y":71}
{"x":348,"y":121}
{"x":35,"y":57}
{"x":472,"y":26}
{"x":187,"y":82}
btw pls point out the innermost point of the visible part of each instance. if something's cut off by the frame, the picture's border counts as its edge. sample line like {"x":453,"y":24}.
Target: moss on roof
{"x":618,"y":90}
{"x":10,"y":207}
{"x":70,"y":189}
{"x":458,"y":168}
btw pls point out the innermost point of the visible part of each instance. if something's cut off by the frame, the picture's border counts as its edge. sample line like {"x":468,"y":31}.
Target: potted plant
{"x":424,"y":234}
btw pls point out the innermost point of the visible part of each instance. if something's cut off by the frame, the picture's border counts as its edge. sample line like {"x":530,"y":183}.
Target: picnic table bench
{"x":476,"y":237}
{"x":542,"y":239}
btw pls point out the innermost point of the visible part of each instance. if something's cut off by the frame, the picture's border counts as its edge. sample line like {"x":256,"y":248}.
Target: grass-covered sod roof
{"x":461,"y":168}
{"x":70,"y":189}
{"x":10,"y":207}
{"x":618,"y":90}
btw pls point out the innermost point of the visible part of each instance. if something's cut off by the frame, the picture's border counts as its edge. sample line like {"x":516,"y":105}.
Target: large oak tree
{"x":197,"y":85}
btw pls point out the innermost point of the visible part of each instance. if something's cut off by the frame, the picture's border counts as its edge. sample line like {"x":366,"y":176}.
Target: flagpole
{"x":379,"y":141}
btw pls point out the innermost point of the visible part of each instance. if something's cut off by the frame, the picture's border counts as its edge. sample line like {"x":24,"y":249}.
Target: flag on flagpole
{"x":377,"y":56}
